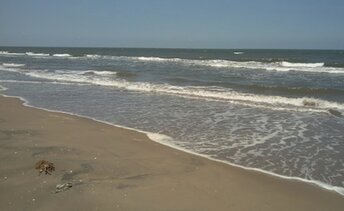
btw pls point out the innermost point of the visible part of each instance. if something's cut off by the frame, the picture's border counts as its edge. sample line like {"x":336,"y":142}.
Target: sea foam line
{"x":195,"y":91}
{"x":289,"y":64}
{"x":167,"y":141}
{"x":41,"y":82}
{"x":37,"y":54}
{"x":6,"y":53}
{"x":199,"y":92}
{"x":283,"y":66}
{"x":13,"y":65}
{"x":62,"y":55}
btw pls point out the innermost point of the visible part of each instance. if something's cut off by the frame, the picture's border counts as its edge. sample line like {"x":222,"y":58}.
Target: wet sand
{"x":118,"y":169}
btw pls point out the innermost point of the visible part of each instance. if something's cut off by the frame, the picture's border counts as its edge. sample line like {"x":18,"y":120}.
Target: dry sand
{"x":118,"y":169}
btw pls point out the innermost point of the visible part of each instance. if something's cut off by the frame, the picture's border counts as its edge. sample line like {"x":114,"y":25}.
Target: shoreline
{"x":161,"y":139}
{"x":280,"y":191}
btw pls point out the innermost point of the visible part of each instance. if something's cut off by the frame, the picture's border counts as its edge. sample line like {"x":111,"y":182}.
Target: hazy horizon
{"x":171,"y":48}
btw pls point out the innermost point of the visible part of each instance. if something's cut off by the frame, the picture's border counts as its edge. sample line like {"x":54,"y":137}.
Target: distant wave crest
{"x":105,"y":78}
{"x":36,"y":54}
{"x":289,"y":64}
{"x":97,"y":72}
{"x":93,"y":56}
{"x":238,"y":52}
{"x":12,"y":65}
{"x":62,"y":55}
{"x":283,"y":66}
{"x":6,"y":53}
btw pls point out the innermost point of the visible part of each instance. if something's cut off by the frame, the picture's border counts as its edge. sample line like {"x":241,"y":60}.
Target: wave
{"x":157,"y":59}
{"x":283,"y":66}
{"x":6,"y":53}
{"x":36,"y":54}
{"x":2,"y":88}
{"x":289,"y":64}
{"x":99,"y":73}
{"x":309,"y":91}
{"x":62,"y":55}
{"x":12,"y":65}
{"x":238,"y":52}
{"x":38,"y":82}
{"x":32,"y":54}
{"x":270,"y":66}
{"x":168,"y":141}
{"x":86,"y":72}
{"x":104,"y":73}
{"x":93,"y":56}
{"x":103,"y":78}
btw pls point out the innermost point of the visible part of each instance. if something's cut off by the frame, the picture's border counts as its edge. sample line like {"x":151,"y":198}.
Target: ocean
{"x":276,"y":111}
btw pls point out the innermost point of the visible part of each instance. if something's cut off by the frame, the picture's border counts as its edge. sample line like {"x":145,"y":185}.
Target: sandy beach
{"x":112,"y":168}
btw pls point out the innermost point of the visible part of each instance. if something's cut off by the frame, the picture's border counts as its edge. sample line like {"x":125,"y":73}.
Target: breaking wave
{"x":105,"y":78}
{"x":238,"y":52}
{"x":6,"y":53}
{"x":93,"y":56}
{"x":62,"y":55}
{"x":288,"y":64}
{"x":283,"y":66}
{"x":101,"y":73}
{"x":157,"y":59}
{"x":12,"y":65}
{"x":37,"y":54}
{"x":86,"y":72}
{"x":270,"y":66}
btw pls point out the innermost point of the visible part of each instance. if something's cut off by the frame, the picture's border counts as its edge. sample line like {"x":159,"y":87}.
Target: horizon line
{"x":173,"y":48}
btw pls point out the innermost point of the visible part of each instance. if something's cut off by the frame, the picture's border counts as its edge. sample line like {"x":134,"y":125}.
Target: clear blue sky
{"x":311,"y":24}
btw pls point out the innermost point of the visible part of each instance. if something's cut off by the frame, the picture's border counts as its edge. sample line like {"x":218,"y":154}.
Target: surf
{"x":109,"y":79}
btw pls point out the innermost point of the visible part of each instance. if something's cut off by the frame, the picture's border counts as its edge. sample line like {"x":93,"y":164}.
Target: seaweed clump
{"x":45,"y":166}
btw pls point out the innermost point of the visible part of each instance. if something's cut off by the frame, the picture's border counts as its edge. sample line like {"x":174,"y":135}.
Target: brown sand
{"x":117,"y":169}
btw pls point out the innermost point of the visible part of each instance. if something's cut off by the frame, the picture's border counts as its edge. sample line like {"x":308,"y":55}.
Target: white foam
{"x":238,"y":52}
{"x":270,"y":66}
{"x":93,"y":56}
{"x":168,"y":141}
{"x":228,"y":64}
{"x":105,"y":73}
{"x":283,"y":66}
{"x":86,"y":72}
{"x":36,"y":54}
{"x":2,"y":88}
{"x":208,"y":93}
{"x":37,"y":82}
{"x":289,"y":64}
{"x":6,"y":53}
{"x":105,"y":78}
{"x":62,"y":55}
{"x":12,"y":65}
{"x":156,"y":59}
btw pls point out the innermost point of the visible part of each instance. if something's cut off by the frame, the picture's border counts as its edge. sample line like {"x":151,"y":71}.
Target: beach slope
{"x":112,"y":168}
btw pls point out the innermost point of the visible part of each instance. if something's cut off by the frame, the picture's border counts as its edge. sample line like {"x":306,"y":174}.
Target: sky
{"x":287,"y":24}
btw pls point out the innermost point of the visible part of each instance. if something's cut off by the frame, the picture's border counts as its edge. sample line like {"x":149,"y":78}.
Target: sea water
{"x":279,"y":111}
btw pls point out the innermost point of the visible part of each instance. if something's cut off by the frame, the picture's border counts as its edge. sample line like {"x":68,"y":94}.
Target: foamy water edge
{"x":166,"y":141}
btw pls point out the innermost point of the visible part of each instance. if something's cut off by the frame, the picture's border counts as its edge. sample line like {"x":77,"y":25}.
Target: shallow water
{"x":266,"y":109}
